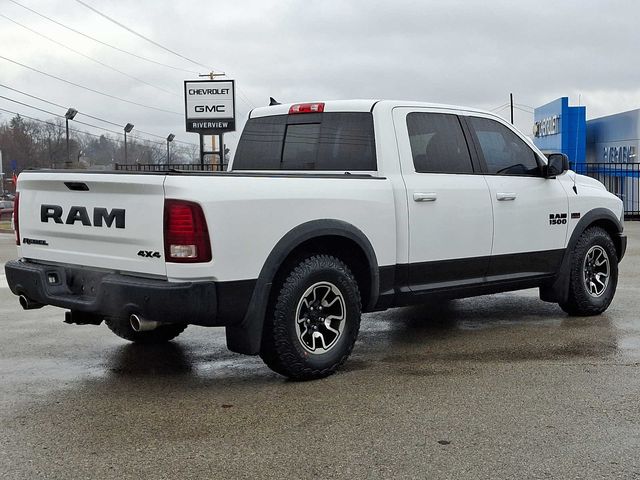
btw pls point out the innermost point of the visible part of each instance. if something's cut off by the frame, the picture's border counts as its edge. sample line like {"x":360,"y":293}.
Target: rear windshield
{"x":333,"y":141}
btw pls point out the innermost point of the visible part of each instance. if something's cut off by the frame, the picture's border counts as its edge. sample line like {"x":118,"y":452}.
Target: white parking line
{"x":3,"y":281}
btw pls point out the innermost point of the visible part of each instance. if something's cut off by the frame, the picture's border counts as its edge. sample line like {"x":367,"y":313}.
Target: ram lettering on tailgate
{"x":101,"y":216}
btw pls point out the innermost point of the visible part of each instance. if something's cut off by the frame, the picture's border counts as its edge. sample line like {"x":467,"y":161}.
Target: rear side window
{"x":260,"y":147}
{"x":504,"y":152}
{"x":438,"y":144}
{"x":332,"y":141}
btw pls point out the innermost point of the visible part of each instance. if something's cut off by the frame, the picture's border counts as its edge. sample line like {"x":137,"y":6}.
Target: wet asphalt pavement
{"x":503,"y":386}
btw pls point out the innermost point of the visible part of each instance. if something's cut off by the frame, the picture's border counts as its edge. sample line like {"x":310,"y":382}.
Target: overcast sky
{"x":458,"y":52}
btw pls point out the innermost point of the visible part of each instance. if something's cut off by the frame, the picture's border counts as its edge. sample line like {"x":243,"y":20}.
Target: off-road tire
{"x":122,"y":328}
{"x":282,"y":349}
{"x":580,"y":302}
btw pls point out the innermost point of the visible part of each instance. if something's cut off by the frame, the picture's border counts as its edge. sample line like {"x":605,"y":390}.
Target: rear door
{"x":110,"y":221}
{"x":450,"y":218}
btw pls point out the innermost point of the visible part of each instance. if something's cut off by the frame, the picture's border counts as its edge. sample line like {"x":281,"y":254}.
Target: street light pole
{"x":70,"y":115}
{"x":127,"y":128}
{"x":170,"y":138}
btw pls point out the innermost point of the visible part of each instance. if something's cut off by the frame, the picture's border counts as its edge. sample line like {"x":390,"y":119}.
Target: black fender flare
{"x":558,"y":290}
{"x":245,"y":337}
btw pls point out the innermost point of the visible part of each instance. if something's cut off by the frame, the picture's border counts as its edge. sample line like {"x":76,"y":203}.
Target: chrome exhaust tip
{"x":139,"y":324}
{"x":28,"y":304}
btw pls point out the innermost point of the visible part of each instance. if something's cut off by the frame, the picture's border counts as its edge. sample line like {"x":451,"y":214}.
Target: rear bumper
{"x":114,"y":295}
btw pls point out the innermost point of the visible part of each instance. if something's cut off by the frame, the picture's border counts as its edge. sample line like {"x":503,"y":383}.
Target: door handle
{"x":506,"y":196}
{"x":425,"y":197}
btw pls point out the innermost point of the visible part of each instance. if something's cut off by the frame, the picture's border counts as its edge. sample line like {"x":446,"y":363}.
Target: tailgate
{"x":111,"y":221}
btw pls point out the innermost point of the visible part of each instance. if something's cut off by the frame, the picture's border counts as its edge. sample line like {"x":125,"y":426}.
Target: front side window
{"x":438,"y":144}
{"x":504,"y":152}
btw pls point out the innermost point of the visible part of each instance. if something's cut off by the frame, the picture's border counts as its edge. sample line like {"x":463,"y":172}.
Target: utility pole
{"x":211,"y":76}
{"x":511,"y":102}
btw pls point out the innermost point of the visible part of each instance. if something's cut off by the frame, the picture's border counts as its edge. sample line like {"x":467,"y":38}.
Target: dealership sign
{"x":619,"y":154}
{"x":210,"y":106}
{"x":547,"y":126}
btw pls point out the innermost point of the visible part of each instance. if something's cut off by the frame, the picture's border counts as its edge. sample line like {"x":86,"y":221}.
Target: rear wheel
{"x":312,"y":326}
{"x":122,"y":328}
{"x":594,"y":274}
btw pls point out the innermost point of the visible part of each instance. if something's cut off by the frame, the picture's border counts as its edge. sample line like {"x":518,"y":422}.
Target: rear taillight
{"x":306,"y":108}
{"x":186,"y":238}
{"x":16,"y":223}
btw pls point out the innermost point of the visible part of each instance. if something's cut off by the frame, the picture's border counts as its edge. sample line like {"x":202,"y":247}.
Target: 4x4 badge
{"x":148,"y":254}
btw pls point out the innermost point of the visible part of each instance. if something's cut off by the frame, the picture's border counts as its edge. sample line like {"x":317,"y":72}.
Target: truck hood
{"x":584,"y":181}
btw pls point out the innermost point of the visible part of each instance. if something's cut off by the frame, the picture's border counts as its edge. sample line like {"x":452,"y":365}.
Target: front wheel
{"x":312,"y":327}
{"x":594,"y":274}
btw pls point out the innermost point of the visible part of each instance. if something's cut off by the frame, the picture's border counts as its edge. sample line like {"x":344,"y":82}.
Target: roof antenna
{"x":273,"y":101}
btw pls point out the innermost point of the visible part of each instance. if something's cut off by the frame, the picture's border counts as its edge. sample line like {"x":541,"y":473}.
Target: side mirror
{"x":557,"y":164}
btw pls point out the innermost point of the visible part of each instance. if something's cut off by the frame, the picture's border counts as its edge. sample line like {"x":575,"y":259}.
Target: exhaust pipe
{"x":140,"y":324}
{"x":28,"y":304}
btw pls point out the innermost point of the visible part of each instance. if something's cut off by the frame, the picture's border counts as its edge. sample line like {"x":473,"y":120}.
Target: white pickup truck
{"x":330,"y":209}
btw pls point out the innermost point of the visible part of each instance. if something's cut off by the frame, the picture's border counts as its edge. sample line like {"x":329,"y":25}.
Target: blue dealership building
{"x":605,"y":148}
{"x":560,"y":128}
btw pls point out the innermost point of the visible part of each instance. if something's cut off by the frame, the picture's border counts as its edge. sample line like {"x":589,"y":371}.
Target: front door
{"x":530,"y":212}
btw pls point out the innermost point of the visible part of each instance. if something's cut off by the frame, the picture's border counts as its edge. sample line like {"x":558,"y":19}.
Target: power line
{"x":523,"y":110}
{"x":75,"y":129}
{"x":88,"y":57}
{"x":90,"y":89}
{"x":80,"y":112}
{"x":242,"y":96}
{"x":101,"y":42}
{"x":70,"y":128}
{"x":32,"y":96}
{"x":131,"y":30}
{"x":498,"y":108}
{"x":62,"y":116}
{"x":525,"y":106}
{"x":48,"y":123}
{"x":31,"y":106}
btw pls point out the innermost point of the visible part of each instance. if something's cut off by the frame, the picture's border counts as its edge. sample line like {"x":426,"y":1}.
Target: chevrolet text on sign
{"x":210,"y":106}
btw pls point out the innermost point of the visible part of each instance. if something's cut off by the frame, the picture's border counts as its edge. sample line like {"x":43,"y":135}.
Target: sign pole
{"x":202,"y":151}
{"x":213,"y":148}
{"x":221,"y":151}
